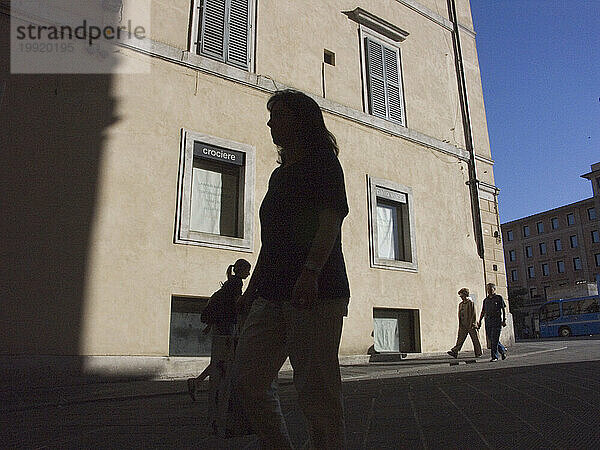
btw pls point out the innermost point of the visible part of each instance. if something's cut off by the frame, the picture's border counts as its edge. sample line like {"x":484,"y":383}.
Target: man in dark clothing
{"x":494,"y":311}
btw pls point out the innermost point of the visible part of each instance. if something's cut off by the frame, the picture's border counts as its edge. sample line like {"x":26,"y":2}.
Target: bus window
{"x":590,"y":306}
{"x":572,"y":308}
{"x":549,"y":312}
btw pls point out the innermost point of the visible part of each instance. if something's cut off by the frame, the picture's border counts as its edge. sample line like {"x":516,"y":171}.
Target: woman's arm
{"x":306,"y":288}
{"x":249,"y":295}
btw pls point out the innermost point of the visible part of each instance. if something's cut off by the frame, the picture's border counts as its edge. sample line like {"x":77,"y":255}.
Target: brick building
{"x":552,"y":250}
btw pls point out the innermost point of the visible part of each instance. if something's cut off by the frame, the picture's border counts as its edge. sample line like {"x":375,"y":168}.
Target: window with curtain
{"x":215,"y":196}
{"x":391,"y":225}
{"x":224,"y":31}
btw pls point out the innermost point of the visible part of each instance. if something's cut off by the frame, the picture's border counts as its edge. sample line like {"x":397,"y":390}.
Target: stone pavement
{"x":545,"y":395}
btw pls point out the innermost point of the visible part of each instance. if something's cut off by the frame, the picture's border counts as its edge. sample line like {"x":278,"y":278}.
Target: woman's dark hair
{"x":312,"y":132}
{"x":239,"y":264}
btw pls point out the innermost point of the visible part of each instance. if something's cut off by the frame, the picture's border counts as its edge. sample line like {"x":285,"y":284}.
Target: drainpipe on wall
{"x":466,"y":118}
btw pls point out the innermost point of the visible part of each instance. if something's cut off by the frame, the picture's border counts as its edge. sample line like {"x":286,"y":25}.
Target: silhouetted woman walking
{"x":299,"y":290}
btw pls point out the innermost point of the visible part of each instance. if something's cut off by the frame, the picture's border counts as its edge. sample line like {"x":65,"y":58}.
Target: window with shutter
{"x":384,"y":82}
{"x":224,"y":31}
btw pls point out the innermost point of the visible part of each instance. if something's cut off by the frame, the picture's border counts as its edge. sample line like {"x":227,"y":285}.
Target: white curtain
{"x":207,"y":189}
{"x":387,"y":232}
{"x":385,"y":335}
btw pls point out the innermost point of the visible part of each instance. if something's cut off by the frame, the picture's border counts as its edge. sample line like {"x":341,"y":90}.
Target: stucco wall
{"x":126,"y":267}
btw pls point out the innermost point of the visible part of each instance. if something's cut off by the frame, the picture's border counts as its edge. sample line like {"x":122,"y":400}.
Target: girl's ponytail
{"x":230,"y":272}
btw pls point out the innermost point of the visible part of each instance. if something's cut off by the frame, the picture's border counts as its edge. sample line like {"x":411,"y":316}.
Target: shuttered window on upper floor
{"x":384,"y":82}
{"x":224,"y":31}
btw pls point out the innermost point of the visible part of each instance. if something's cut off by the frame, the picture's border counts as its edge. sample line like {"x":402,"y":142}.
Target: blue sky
{"x":540,"y":69}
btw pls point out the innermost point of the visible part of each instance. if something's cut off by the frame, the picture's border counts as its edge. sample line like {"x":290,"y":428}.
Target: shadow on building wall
{"x":52,"y":140}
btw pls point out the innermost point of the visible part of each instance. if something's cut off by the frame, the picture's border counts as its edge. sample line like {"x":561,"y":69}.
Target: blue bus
{"x":570,"y":317}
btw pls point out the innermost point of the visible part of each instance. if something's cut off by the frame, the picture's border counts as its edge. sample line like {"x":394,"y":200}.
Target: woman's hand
{"x":306,"y":289}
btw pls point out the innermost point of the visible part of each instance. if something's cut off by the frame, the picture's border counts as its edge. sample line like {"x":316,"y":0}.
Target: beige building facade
{"x":140,"y":189}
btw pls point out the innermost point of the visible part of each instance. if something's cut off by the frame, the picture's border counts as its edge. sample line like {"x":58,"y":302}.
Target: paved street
{"x":545,"y":395}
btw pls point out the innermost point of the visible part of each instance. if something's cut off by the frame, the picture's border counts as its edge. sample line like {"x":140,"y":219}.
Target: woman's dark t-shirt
{"x":289,"y":217}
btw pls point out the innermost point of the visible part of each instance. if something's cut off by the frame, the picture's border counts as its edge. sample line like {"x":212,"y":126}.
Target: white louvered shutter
{"x":376,"y":78}
{"x":237,"y":43}
{"x":385,"y":95}
{"x":392,"y":83}
{"x":212,"y":38}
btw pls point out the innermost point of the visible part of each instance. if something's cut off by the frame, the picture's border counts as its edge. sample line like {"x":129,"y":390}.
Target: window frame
{"x":183,"y":234}
{"x":568,"y":222}
{"x":514,"y":275}
{"x":512,"y":255}
{"x":539,"y":227}
{"x":543,"y":248}
{"x":194,"y":36}
{"x":558,"y":245}
{"x":558,"y":266}
{"x":553,"y":221}
{"x":530,"y":272}
{"x":545,"y":269}
{"x":364,"y":33}
{"x":528,"y":251}
{"x":510,"y":236}
{"x":383,"y":263}
{"x":526,"y":231}
{"x":573,"y":243}
{"x":591,"y":211}
{"x":577,"y":260}
{"x":595,"y":236}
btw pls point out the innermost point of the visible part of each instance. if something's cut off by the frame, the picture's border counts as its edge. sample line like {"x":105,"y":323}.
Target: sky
{"x":540,"y":70}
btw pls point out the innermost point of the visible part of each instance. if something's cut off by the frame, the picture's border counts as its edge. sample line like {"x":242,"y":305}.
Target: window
{"x":514,"y":275}
{"x":532,"y":293}
{"x":573,"y":241}
{"x":391,"y":224}
{"x":384,"y":81}
{"x":557,"y":245}
{"x":560,"y":265}
{"x":597,"y":257}
{"x":550,"y":311}
{"x":571,"y":308}
{"x":576,"y":263}
{"x":595,"y":236}
{"x":526,"y":231}
{"x":528,"y":251}
{"x":530,"y":272}
{"x":590,"y":306}
{"x":512,"y":255}
{"x":381,"y":65}
{"x":543,"y":249}
{"x":186,"y":337}
{"x":510,"y":236}
{"x":545,"y":269}
{"x":546,"y":289}
{"x":216,"y":197}
{"x":591,"y":213}
{"x":570,"y":219}
{"x":554,"y":222}
{"x":540,"y":227}
{"x":396,"y":330}
{"x":223,"y":29}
